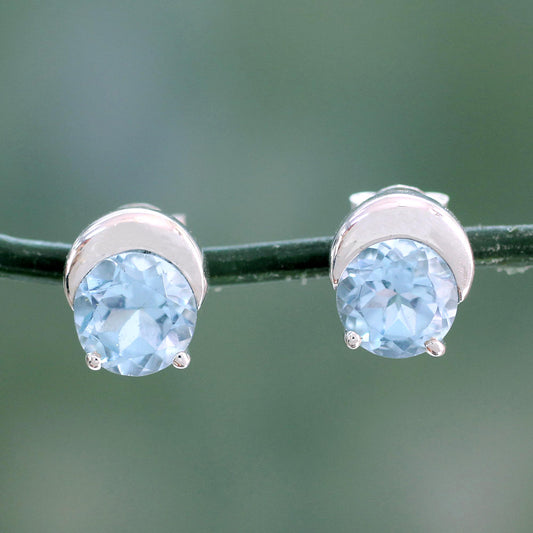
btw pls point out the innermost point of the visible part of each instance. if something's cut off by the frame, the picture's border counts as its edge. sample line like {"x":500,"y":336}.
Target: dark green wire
{"x":509,"y":248}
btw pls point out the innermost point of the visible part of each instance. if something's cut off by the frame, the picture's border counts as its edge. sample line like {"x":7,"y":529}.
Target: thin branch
{"x":507,"y":248}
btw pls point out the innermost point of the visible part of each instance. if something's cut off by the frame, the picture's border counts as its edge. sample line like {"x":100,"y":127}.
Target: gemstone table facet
{"x":137,"y":311}
{"x":397,"y":294}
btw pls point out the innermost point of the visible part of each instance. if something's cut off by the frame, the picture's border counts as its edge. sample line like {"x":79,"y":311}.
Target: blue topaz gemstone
{"x":137,"y":311}
{"x":397,"y":294}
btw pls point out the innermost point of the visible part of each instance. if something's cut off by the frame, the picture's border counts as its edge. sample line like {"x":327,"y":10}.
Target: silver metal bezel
{"x":135,"y":227}
{"x":404,"y":212}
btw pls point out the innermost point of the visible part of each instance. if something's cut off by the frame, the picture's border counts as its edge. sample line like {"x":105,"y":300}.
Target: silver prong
{"x":181,"y":360}
{"x":435,"y":348}
{"x":352,"y":340}
{"x":94,"y":361}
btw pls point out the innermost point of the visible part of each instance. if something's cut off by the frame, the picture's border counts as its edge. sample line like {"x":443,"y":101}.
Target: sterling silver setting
{"x":403,"y":212}
{"x":136,"y":227}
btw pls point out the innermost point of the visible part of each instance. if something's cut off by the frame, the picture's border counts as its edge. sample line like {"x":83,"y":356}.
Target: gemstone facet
{"x":396,"y":295}
{"x":135,"y":310}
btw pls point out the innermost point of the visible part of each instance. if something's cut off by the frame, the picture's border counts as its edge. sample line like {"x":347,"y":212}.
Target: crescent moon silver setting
{"x":404,"y":212}
{"x":135,"y":227}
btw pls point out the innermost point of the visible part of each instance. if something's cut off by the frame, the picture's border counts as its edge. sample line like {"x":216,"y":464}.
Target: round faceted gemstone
{"x":397,"y":294}
{"x":137,"y":311}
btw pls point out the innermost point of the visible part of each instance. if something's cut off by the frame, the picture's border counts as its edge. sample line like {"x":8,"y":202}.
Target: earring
{"x":400,"y":264}
{"x":135,"y":281}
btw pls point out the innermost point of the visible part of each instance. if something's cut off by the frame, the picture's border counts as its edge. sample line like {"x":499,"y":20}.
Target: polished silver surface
{"x":135,"y":227}
{"x":435,"y":348}
{"x":93,"y":361}
{"x":181,"y":361}
{"x":352,"y":340}
{"x":359,"y":197}
{"x":404,"y":212}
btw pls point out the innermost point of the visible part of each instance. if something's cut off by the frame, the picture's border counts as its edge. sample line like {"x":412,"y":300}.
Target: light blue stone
{"x":396,"y":295}
{"x":137,"y":311}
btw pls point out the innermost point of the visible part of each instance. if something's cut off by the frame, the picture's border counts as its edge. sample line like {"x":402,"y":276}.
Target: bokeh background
{"x":258,"y":119}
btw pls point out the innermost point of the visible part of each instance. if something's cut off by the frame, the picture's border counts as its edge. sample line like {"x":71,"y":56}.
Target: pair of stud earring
{"x":400,"y":264}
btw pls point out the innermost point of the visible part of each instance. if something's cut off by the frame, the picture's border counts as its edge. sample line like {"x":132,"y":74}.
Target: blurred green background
{"x":258,"y":119}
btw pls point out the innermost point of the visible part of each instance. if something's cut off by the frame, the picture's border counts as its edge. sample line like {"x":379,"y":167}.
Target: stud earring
{"x":135,"y":281}
{"x":400,"y":264}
